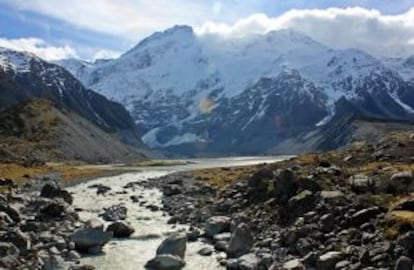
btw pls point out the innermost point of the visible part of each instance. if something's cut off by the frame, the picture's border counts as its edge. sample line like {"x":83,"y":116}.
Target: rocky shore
{"x":350,"y":209}
{"x":41,"y":230}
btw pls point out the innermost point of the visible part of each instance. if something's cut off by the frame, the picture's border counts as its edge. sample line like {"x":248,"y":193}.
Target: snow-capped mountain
{"x":209,"y":93}
{"x":24,"y":76}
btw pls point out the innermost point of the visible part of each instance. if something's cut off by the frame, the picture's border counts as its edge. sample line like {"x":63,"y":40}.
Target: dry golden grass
{"x":69,"y":173}
{"x":222,"y":177}
{"x":385,"y":167}
{"x":156,"y":163}
{"x":307,"y":159}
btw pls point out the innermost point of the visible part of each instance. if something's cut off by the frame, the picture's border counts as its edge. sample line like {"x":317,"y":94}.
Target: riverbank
{"x":349,"y":209}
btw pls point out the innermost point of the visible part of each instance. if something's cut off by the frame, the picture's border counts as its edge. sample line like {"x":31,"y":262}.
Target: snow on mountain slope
{"x":166,"y":79}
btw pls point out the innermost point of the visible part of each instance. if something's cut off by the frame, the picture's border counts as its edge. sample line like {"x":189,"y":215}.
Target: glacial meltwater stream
{"x":150,"y":227}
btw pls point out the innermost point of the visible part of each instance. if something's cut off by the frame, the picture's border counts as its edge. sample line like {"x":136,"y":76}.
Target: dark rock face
{"x":47,"y":80}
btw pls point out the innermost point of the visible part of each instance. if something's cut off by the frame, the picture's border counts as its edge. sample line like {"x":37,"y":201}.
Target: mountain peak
{"x":177,"y":32}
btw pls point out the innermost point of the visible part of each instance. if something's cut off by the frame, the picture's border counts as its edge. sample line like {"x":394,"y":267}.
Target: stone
{"x":206,"y":251}
{"x":407,"y":241}
{"x":115,"y":213}
{"x":8,"y":255}
{"x":405,"y":177}
{"x":165,"y":262}
{"x":405,"y":205}
{"x":303,"y":246}
{"x":87,"y":239}
{"x":332,"y":196}
{"x":175,"y":244}
{"x":285,"y":185}
{"x":217,"y":224}
{"x":82,"y":267}
{"x":54,"y":209}
{"x":259,"y":180}
{"x":18,"y":239}
{"x":302,"y":202}
{"x":241,"y":241}
{"x":120,"y":229}
{"x":171,"y":190}
{"x":404,"y":263}
{"x":134,"y":198}
{"x":328,"y":260}
{"x":100,"y":189}
{"x":327,"y":222}
{"x":13,"y":213}
{"x":248,"y":262}
{"x":365,"y":215}
{"x":95,"y":223}
{"x":361,"y":183}
{"x":73,"y":256}
{"x":54,"y":262}
{"x":52,"y":190}
{"x":294,"y":264}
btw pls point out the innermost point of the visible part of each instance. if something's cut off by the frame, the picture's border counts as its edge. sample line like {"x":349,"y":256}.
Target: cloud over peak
{"x":38,"y":47}
{"x":356,"y":27}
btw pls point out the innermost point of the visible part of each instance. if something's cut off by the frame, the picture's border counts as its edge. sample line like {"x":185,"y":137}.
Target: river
{"x":150,"y":227}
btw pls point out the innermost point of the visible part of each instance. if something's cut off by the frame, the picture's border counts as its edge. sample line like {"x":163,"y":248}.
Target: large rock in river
{"x":217,"y":224}
{"x":87,"y":239}
{"x":165,"y":262}
{"x":175,"y":245}
{"x":241,"y":241}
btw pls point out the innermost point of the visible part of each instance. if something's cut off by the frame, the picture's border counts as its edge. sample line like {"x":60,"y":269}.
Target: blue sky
{"x":102,"y":28}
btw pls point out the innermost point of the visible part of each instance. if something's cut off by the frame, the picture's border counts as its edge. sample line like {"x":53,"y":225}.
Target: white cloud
{"x":369,"y":30}
{"x":106,"y":54}
{"x":124,"y":18}
{"x":38,"y":47}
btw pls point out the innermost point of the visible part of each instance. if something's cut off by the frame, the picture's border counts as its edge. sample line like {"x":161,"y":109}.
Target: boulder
{"x":120,"y":229}
{"x":285,"y":185}
{"x":206,"y":251}
{"x":302,"y":202}
{"x":259,"y":180}
{"x":217,"y":224}
{"x":54,"y":208}
{"x":248,"y":262}
{"x":165,"y":262}
{"x":53,"y":190}
{"x":407,"y":241}
{"x":18,"y":239}
{"x":241,"y":241}
{"x":404,"y":263}
{"x":361,"y":183}
{"x":11,"y":211}
{"x":88,"y":239}
{"x":365,"y":215}
{"x":328,"y":260}
{"x":174,"y":245}
{"x":400,"y":182}
{"x":404,"y":177}
{"x":115,"y":213}
{"x":171,"y":190}
{"x":8,"y":256}
{"x":95,"y":223}
{"x":294,"y":264}
{"x":332,"y":196}
{"x":100,"y":189}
